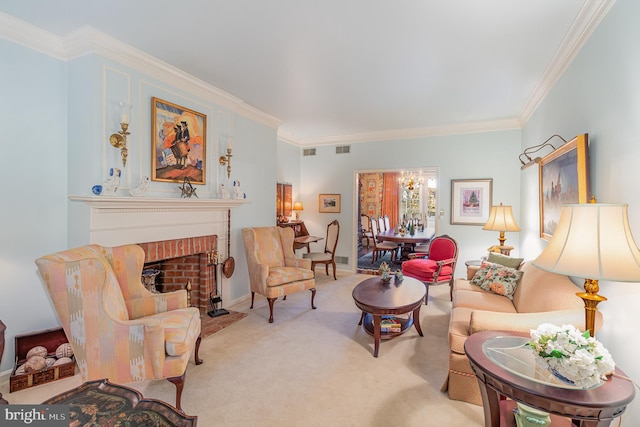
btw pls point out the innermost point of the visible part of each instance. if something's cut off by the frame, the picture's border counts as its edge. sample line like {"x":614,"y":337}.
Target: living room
{"x":60,"y":116}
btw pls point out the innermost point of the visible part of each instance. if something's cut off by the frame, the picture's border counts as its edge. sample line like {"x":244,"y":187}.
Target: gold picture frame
{"x":563,"y":178}
{"x":329,"y":203}
{"x":179,"y":143}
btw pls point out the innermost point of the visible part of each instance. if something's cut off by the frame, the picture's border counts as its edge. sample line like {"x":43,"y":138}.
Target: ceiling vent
{"x":343,"y":149}
{"x":309,"y":152}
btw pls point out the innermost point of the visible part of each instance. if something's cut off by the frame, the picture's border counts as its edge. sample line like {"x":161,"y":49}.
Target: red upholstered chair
{"x":438,"y":268}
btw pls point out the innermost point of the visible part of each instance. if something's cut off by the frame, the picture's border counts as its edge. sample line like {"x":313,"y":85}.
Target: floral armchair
{"x":117,"y":328}
{"x":274,"y":269}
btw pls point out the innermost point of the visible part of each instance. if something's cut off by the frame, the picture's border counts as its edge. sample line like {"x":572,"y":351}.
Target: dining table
{"x":408,"y":241}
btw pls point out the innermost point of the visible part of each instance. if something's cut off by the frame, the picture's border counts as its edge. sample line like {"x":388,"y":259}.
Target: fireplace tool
{"x":212,"y":261}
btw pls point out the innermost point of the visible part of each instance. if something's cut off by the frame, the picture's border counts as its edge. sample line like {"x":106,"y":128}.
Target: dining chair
{"x":381,"y":225}
{"x":438,"y":267}
{"x":387,"y":225}
{"x":381,"y":247}
{"x":328,"y":256}
{"x":365,"y":224}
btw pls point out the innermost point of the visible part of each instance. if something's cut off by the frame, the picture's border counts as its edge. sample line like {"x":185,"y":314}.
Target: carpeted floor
{"x":365,"y":264}
{"x":310,"y":368}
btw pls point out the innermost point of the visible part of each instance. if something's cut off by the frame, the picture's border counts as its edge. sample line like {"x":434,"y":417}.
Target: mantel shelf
{"x":109,"y":202}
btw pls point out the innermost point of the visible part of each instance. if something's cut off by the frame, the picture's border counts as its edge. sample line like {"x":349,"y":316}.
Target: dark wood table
{"x":377,"y":299}
{"x":113,"y":402}
{"x":595,"y":407}
{"x":407,"y":239}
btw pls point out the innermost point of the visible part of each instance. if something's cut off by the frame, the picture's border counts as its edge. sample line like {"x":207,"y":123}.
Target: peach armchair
{"x":117,"y":328}
{"x":274,"y":269}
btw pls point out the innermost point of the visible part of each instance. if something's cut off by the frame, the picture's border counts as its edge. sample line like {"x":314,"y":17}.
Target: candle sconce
{"x":119,"y":139}
{"x":226,"y":161}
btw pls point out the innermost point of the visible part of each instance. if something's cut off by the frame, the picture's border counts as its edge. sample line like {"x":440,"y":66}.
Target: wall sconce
{"x":297,"y":207}
{"x":226,"y":160}
{"x":119,"y":139}
{"x":535,"y":149}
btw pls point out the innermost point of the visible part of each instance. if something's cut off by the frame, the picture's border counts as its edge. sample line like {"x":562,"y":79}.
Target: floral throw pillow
{"x":482,"y":274}
{"x":498,"y":279}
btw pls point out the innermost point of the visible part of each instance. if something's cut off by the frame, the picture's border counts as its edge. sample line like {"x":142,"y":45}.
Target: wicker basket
{"x":50,"y":339}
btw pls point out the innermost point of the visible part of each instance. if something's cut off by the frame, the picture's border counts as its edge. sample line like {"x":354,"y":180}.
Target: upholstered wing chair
{"x":437,"y":267}
{"x":274,"y":269}
{"x":117,"y":328}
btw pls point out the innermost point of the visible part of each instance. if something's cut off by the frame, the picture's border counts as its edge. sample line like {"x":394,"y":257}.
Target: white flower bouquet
{"x":571,"y":355}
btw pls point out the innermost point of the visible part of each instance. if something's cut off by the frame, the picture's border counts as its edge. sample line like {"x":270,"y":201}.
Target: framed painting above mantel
{"x":564,"y":178}
{"x":179,"y":143}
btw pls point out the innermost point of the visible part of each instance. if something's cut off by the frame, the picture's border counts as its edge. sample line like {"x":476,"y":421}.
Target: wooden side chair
{"x":328,"y":256}
{"x":365,"y":224}
{"x":381,"y":247}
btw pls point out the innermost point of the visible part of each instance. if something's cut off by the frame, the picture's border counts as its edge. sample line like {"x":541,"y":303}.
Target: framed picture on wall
{"x":329,"y":203}
{"x":287,"y":200}
{"x":179,"y":143}
{"x":279,"y":198}
{"x":471,"y":201}
{"x":564,"y":178}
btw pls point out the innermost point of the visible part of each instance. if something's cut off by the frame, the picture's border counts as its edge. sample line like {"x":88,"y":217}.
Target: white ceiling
{"x":343,"y":70}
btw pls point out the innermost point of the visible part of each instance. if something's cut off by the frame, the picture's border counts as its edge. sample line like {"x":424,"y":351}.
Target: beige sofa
{"x":541,"y":297}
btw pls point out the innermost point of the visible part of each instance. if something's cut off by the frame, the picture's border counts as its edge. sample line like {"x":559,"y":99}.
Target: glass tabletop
{"x":514,"y":354}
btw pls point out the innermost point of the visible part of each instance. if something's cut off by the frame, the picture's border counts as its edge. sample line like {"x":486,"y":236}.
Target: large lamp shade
{"x":592,"y":241}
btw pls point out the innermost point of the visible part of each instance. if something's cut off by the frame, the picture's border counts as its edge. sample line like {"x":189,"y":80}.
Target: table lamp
{"x":592,"y":241}
{"x":501,"y":219}
{"x":297,"y":206}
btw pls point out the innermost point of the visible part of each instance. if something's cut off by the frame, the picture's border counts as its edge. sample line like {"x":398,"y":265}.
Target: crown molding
{"x":423,"y":132}
{"x":590,"y":16}
{"x":27,"y":35}
{"x":87,"y":40}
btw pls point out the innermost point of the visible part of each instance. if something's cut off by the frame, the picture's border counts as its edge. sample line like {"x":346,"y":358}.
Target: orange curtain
{"x":391,"y":198}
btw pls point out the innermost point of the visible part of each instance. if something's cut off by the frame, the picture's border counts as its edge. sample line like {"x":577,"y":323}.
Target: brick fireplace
{"x":179,"y":234}
{"x":181,"y":261}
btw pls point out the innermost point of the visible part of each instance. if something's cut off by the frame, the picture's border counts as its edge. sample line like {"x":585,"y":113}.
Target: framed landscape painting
{"x":179,"y":143}
{"x":471,"y":201}
{"x":329,"y":203}
{"x":564,"y":178}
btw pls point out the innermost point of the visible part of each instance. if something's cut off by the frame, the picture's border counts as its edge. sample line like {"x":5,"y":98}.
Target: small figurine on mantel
{"x":110,"y":186}
{"x":223,"y":193}
{"x":237,"y":193}
{"x":141,"y":188}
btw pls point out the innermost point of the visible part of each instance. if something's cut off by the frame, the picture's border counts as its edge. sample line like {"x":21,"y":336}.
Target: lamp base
{"x":591,"y":300}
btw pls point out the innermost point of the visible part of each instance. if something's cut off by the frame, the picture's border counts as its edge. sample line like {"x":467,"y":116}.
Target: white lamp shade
{"x":501,"y":219}
{"x":593,"y":241}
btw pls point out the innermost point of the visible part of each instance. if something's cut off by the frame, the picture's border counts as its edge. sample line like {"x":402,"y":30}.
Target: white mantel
{"x":113,"y":221}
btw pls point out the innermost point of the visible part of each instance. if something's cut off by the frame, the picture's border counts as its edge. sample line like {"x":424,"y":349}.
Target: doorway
{"x":405,"y":196}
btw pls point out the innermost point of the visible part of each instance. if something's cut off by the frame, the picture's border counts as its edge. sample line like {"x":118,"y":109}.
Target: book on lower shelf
{"x":390,"y":324}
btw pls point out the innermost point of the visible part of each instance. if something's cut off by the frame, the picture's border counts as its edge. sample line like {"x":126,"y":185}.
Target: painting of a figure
{"x":179,"y":143}
{"x":563,"y":179}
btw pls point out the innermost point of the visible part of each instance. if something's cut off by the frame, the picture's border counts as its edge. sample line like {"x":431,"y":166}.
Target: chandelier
{"x":410,"y":182}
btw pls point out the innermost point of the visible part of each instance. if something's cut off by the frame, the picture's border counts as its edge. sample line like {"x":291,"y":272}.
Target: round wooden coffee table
{"x":379,"y":300}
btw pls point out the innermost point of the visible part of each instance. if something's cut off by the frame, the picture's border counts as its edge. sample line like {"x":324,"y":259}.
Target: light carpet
{"x":311,"y":368}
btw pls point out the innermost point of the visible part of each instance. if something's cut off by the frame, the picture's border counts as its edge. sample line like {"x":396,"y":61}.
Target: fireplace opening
{"x":181,"y":263}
